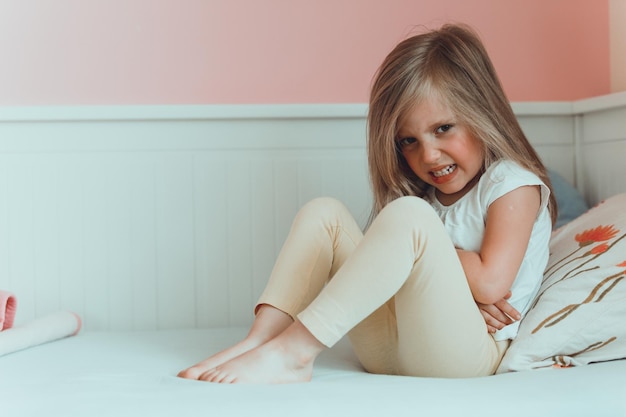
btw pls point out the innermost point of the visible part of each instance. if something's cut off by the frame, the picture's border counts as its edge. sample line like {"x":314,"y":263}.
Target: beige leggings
{"x":399,"y":291}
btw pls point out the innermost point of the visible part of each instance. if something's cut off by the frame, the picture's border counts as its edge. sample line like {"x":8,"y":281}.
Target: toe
{"x":216,"y":375}
{"x":208,"y":376}
{"x":190,"y":373}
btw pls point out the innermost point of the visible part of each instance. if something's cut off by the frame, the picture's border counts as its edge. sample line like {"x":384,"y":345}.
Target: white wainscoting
{"x":154,"y":217}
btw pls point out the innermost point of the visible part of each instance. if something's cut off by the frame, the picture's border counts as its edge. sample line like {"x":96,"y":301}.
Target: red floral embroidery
{"x":599,"y":249}
{"x":599,"y":234}
{"x":585,"y":238}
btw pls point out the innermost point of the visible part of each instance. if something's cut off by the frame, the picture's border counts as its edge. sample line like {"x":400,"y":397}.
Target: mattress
{"x":134,"y":374}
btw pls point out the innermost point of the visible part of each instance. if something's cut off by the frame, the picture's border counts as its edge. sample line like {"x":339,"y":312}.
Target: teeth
{"x":447,"y":170}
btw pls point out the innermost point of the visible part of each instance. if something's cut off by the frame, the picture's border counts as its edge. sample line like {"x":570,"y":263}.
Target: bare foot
{"x":219,"y":358}
{"x":268,"y":323}
{"x":288,"y":358}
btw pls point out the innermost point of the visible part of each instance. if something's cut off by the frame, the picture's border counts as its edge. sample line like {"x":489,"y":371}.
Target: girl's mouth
{"x":443,"y":172}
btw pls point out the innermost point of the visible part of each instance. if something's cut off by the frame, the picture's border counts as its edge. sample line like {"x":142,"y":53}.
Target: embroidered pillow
{"x":579,"y":314}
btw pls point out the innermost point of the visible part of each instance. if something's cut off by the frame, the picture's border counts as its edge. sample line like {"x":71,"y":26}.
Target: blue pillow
{"x":569,"y":200}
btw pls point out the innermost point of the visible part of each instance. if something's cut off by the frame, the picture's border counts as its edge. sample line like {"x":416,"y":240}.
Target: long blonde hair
{"x":452,"y":63}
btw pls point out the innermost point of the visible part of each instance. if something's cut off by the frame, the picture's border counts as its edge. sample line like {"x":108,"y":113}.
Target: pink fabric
{"x":79,"y":323}
{"x":41,"y":330}
{"x":8,"y":305}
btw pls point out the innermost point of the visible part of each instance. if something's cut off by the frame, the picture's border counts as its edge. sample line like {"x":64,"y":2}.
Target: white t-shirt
{"x":465,"y":222}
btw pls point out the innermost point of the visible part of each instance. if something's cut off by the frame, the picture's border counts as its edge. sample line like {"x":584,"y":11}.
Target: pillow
{"x":579,"y":315}
{"x":569,"y":200}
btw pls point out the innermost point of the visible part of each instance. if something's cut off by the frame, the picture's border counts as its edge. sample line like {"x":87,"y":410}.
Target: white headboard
{"x":600,"y":139}
{"x":161,"y":217}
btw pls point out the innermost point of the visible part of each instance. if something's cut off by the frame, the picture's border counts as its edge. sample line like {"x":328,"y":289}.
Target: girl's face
{"x":440,"y":150}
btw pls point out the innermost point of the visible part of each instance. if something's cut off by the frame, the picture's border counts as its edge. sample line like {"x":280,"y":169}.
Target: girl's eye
{"x":444,"y":128}
{"x":404,"y":142}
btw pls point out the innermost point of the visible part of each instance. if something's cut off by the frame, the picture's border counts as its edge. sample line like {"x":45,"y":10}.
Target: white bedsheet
{"x":133,"y":374}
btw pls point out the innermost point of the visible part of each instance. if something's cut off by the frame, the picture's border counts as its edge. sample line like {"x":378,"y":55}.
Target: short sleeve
{"x":506,"y":176}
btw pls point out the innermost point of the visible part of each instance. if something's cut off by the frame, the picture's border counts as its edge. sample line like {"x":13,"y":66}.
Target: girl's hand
{"x":499,"y":314}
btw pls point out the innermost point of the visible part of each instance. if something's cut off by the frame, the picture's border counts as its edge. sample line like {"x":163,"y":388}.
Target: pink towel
{"x":41,"y":330}
{"x":8,"y":305}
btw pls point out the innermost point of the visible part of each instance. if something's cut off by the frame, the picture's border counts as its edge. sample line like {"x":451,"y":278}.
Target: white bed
{"x":158,"y":226}
{"x":133,"y":374}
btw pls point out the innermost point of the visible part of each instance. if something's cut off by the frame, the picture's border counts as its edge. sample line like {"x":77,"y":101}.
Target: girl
{"x":458,"y":239}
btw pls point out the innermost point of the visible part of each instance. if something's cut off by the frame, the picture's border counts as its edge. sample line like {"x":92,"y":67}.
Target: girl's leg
{"x":322,"y":236}
{"x":406,"y":254}
{"x":375,"y":340}
{"x":431,"y":326}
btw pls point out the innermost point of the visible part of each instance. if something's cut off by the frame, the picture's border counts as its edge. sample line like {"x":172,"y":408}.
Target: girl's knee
{"x":409,"y":213}
{"x":320,"y":208}
{"x":320,"y":204}
{"x":410,"y":206}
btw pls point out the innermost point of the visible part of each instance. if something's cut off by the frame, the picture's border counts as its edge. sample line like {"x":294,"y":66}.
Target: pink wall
{"x":72,"y":52}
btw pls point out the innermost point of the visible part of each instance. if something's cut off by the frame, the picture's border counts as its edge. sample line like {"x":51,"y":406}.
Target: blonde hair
{"x":452,"y":64}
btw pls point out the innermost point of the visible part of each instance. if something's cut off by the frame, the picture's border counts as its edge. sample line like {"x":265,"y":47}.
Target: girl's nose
{"x":430,"y":154}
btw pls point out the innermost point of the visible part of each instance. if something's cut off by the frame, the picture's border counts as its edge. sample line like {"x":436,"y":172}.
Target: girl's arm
{"x":510,"y":219}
